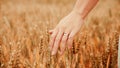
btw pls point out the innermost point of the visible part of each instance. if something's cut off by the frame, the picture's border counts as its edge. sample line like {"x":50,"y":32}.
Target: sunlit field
{"x":24,"y":38}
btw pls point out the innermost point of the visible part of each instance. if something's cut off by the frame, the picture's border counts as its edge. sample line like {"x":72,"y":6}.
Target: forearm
{"x":83,"y":7}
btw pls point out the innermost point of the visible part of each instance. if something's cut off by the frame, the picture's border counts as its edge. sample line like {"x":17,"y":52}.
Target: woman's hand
{"x":63,"y":34}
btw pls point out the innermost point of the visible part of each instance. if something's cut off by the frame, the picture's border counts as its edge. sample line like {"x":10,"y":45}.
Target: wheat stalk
{"x":27,"y":24}
{"x":119,"y":53}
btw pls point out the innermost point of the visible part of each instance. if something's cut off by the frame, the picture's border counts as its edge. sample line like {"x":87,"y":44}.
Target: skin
{"x":63,"y":34}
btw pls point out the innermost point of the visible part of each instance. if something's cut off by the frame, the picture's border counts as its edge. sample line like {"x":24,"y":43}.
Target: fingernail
{"x":61,"y":53}
{"x":53,"y":53}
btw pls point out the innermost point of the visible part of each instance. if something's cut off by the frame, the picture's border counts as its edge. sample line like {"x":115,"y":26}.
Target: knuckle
{"x":70,"y":37}
{"x":62,"y":27}
{"x":63,"y":40}
{"x":57,"y":39}
{"x":55,"y":46}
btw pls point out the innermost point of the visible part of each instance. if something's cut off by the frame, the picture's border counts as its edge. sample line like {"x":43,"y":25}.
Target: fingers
{"x":52,"y":38}
{"x":69,"y":42}
{"x":57,"y":42}
{"x":63,"y":42}
{"x":71,"y":38}
{"x":58,"y":37}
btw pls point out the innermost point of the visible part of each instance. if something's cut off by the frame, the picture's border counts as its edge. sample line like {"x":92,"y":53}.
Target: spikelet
{"x":1,"y":54}
{"x":119,"y":52}
{"x":1,"y":41}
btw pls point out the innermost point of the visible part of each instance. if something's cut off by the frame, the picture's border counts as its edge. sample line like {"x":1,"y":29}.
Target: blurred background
{"x":24,"y":37}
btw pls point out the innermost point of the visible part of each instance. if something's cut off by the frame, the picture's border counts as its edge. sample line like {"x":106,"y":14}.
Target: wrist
{"x":78,"y":13}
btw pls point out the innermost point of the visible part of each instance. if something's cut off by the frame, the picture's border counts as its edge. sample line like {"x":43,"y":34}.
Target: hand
{"x":63,"y":34}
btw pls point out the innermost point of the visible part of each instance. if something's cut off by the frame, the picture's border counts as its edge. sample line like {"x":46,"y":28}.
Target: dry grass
{"x":24,"y":38}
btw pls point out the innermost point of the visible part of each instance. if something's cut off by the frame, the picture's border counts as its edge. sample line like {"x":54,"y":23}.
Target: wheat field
{"x":24,"y":37}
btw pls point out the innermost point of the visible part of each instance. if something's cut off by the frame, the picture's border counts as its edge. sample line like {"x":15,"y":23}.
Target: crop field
{"x":24,"y":37}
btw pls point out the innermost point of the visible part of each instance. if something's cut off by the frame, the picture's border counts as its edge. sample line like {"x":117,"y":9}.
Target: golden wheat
{"x":24,"y":38}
